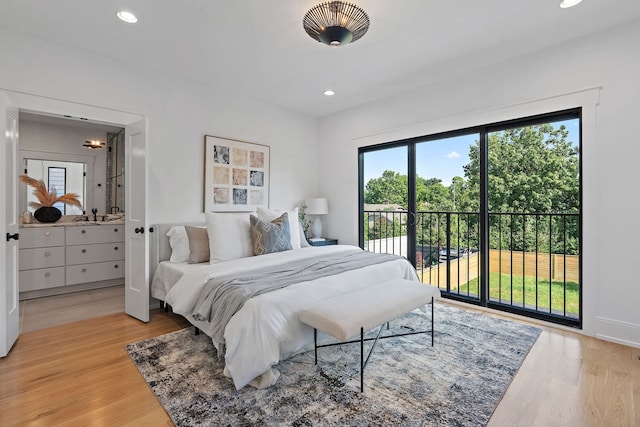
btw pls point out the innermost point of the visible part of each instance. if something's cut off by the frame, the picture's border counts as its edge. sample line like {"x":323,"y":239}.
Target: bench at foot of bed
{"x":353,"y":313}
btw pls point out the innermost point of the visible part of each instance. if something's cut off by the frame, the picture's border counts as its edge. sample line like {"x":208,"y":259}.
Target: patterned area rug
{"x":458,"y":382}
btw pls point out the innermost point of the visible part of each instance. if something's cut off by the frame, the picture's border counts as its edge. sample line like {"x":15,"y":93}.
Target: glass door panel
{"x":447,"y":206}
{"x":534,"y":218}
{"x":385,"y":213}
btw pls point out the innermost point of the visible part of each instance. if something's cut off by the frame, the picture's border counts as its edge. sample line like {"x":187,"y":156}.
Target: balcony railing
{"x":534,"y":258}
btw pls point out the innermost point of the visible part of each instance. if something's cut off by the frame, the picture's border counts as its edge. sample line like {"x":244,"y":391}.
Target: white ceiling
{"x":259,"y":49}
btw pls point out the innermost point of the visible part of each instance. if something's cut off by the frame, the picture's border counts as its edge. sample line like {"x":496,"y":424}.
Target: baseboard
{"x":61,"y":290}
{"x":624,"y":333}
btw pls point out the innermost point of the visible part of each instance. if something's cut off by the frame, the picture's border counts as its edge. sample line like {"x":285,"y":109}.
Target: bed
{"x":266,"y":329}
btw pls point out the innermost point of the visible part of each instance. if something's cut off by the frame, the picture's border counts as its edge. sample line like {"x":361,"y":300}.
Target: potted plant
{"x":45,"y":211}
{"x":304,"y":221}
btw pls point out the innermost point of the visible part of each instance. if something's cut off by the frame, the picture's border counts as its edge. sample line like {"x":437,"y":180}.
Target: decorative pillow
{"x":271,"y":214}
{"x":229,"y":236}
{"x":198,"y":244}
{"x":269,"y":237}
{"x":179,"y":243}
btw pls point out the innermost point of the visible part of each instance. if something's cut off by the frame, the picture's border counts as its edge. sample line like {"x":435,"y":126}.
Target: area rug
{"x":458,"y":382}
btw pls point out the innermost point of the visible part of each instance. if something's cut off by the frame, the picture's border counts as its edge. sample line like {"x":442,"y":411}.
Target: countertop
{"x":72,"y":223}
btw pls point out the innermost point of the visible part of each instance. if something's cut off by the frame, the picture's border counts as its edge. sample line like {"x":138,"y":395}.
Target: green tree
{"x":390,"y":188}
{"x":531,"y":169}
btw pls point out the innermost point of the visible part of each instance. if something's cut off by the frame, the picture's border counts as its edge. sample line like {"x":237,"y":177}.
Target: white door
{"x":9,"y":317}
{"x":137,"y":234}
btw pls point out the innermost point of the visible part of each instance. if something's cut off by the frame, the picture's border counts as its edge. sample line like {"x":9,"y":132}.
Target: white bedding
{"x":267,"y":329}
{"x":167,"y":275}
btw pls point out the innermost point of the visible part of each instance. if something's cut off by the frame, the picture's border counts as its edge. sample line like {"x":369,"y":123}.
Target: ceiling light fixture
{"x":127,"y":17}
{"x":336,"y":23}
{"x":329,"y":92}
{"x":569,"y":3}
{"x":94,"y":144}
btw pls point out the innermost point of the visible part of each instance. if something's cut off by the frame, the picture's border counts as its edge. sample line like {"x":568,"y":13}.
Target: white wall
{"x":179,"y":114}
{"x":548,"y":80}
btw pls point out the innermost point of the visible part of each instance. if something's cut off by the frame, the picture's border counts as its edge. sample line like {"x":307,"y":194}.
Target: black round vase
{"x":47,"y":214}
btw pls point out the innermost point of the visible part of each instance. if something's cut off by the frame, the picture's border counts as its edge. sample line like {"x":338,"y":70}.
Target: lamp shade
{"x":317,"y":206}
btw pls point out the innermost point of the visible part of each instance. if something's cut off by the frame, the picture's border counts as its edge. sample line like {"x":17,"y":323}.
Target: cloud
{"x":453,"y":155}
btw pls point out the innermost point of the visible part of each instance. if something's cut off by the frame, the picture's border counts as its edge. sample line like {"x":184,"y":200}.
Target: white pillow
{"x":294,"y":224}
{"x":179,"y":243}
{"x":229,"y":235}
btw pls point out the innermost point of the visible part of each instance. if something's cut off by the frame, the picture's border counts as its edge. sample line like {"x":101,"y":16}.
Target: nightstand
{"x":325,"y":242}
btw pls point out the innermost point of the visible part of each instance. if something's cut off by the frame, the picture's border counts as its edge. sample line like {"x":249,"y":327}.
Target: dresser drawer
{"x":41,"y":237}
{"x":93,"y":272}
{"x":101,"y":252}
{"x":89,"y":234}
{"x":32,"y":280}
{"x":41,"y":258}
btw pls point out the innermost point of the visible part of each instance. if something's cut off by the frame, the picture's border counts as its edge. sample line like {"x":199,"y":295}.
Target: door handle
{"x":413,"y":219}
{"x":15,"y":236}
{"x":139,"y":230}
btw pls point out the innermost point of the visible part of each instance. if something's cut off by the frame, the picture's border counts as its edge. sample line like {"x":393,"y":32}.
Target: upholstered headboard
{"x":160,"y":248}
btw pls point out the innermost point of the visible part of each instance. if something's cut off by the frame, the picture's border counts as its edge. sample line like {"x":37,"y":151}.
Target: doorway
{"x":70,"y":155}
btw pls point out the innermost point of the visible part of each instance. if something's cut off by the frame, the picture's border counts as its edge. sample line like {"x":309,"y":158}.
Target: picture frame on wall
{"x":236,"y":175}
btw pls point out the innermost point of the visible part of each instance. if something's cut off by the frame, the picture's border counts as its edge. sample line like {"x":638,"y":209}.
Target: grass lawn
{"x":500,"y":290}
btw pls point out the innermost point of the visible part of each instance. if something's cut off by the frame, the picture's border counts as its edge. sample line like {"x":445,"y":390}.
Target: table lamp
{"x":316,"y":206}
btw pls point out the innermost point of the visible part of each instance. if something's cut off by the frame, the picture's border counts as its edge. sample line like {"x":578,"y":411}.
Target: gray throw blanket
{"x":224,"y":296}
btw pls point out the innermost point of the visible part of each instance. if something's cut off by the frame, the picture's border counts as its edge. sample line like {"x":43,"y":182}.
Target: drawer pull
{"x":47,"y":253}
{"x":115,"y":266}
{"x":47,"y":233}
{"x":115,"y":230}
{"x":47,"y":274}
{"x":84,"y":270}
{"x":83,"y":231}
{"x":115,"y":249}
{"x":84,"y":251}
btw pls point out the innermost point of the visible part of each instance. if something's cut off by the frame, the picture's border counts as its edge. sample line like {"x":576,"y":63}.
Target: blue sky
{"x":442,"y":158}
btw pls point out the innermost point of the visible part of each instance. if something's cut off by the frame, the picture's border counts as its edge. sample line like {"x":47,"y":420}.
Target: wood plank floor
{"x":80,"y":374}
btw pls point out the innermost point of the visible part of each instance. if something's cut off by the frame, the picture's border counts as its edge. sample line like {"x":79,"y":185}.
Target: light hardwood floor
{"x":80,"y":374}
{"x":39,"y":313}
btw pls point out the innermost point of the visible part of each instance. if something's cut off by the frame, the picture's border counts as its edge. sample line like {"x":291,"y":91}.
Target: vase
{"x":47,"y":214}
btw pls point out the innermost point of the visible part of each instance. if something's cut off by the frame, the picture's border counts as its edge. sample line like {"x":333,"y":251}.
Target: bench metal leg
{"x":315,"y":344}
{"x":362,"y":360}
{"x":431,"y":321}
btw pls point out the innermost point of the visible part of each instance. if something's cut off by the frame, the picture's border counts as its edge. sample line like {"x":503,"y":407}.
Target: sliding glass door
{"x":490,"y":215}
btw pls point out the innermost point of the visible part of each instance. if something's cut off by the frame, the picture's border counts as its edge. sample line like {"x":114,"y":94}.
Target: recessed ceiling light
{"x":127,"y":17}
{"x":569,"y":3}
{"x":329,"y":92}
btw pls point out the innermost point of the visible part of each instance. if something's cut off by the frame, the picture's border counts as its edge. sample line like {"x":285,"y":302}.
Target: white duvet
{"x":267,"y":329}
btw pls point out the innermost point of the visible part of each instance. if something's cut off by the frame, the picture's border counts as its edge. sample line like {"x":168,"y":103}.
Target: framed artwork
{"x":236,"y":175}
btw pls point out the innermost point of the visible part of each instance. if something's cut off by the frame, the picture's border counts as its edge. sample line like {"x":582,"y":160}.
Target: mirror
{"x":65,"y":177}
{"x":52,"y":148}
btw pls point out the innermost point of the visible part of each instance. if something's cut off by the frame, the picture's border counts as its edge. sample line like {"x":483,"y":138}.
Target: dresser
{"x":64,"y":258}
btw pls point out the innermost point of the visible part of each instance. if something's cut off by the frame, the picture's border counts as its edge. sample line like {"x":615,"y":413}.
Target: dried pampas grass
{"x":46,"y":197}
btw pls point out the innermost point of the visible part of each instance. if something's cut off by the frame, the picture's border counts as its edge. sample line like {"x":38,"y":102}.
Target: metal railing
{"x":534,"y":258}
